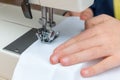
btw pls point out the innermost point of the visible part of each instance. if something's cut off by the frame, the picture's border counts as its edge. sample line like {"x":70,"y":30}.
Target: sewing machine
{"x":46,"y":34}
{"x":14,"y":24}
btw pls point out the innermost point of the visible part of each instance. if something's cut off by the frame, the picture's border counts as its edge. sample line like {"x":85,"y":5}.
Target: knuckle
{"x":105,"y":17}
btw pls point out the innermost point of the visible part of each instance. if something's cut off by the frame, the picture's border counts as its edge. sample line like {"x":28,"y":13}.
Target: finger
{"x":82,"y":36}
{"x":67,"y":14}
{"x":79,"y":46}
{"x":106,"y":64}
{"x":58,"y":52}
{"x":54,"y":56}
{"x":97,"y":20}
{"x":87,"y":14}
{"x":75,"y":14}
{"x":83,"y":56}
{"x":75,"y":48}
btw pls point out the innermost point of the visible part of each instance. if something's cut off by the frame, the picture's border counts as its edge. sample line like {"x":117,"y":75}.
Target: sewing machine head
{"x":46,"y":34}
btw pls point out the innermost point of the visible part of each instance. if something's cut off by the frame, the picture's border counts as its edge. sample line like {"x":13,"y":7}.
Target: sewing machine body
{"x":14,"y":24}
{"x":46,"y":34}
{"x":70,"y":5}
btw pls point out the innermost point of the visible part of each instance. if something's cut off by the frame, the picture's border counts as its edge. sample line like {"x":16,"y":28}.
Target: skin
{"x":85,"y":15}
{"x":101,"y":39}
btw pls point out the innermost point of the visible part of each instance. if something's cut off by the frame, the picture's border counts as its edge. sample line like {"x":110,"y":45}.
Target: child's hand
{"x":100,"y":41}
{"x":85,"y":15}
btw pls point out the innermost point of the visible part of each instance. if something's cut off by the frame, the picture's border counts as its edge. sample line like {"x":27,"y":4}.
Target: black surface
{"x":26,"y":8}
{"x":23,"y":42}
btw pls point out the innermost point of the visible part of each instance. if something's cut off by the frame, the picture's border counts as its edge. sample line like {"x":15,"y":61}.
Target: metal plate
{"x":23,"y":42}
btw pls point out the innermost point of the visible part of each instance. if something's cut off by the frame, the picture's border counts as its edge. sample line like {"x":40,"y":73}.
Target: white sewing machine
{"x":15,"y":25}
{"x":46,"y":34}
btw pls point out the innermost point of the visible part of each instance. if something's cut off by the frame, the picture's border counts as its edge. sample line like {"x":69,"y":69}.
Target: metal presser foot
{"x":46,"y":34}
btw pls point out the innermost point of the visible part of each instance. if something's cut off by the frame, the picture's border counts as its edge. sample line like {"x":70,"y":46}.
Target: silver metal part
{"x":43,"y":19}
{"x":51,"y":22}
{"x":46,"y":34}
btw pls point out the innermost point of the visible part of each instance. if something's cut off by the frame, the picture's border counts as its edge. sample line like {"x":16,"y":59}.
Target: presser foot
{"x":51,"y":24}
{"x":47,"y":36}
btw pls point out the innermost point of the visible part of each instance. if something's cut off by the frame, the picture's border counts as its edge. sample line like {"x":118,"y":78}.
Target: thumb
{"x":87,"y":14}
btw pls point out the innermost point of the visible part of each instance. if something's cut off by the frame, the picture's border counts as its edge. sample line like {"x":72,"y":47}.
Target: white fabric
{"x":34,"y":62}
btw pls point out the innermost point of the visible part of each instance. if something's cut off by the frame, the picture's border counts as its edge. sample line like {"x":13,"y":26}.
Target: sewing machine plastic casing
{"x":70,"y":5}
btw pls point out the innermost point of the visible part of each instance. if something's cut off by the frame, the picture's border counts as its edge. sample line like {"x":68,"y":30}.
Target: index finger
{"x":80,"y":37}
{"x":83,"y":36}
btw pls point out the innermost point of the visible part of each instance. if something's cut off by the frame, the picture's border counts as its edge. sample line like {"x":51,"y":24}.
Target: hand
{"x":87,"y":14}
{"x":102,"y":40}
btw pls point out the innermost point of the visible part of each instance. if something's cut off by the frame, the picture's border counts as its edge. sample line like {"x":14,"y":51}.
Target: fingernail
{"x":64,"y":61}
{"x":85,"y":72}
{"x":54,"y":60}
{"x":56,"y":51}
